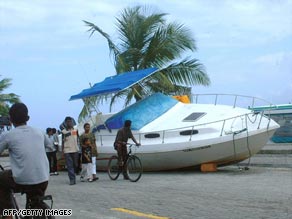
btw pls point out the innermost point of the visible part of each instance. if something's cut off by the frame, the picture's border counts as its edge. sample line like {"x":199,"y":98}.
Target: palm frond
{"x":6,"y":99}
{"x":9,"y":98}
{"x":90,"y":105}
{"x":188,"y":72}
{"x":112,"y":47}
{"x":5,"y":83}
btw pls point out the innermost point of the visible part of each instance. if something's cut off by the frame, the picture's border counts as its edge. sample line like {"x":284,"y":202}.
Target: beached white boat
{"x":177,"y":135}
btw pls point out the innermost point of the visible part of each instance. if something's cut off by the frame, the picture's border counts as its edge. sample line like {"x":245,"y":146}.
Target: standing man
{"x":51,"y":151}
{"x":91,"y":137}
{"x":28,"y":160}
{"x":56,"y":139}
{"x":70,"y":148}
{"x":121,"y":144}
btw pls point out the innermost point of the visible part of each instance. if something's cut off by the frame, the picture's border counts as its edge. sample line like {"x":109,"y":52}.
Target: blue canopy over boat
{"x":115,"y":83}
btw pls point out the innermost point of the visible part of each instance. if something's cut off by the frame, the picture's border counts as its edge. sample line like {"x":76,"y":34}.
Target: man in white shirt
{"x":70,"y":139}
{"x":28,"y":160}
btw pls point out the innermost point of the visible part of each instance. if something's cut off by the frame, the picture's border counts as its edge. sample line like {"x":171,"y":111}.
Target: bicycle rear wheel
{"x":134,"y":168}
{"x":45,"y":215}
{"x":39,"y":203}
{"x":113,"y":168}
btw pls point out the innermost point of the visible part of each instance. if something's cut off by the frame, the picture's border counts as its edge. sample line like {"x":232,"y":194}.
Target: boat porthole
{"x":152,"y":135}
{"x":189,"y":132}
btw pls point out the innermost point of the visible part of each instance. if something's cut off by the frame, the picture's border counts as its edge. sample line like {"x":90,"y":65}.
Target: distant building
{"x":282,"y":114}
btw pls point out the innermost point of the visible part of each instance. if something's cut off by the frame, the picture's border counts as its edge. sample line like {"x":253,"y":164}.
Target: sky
{"x":245,"y":46}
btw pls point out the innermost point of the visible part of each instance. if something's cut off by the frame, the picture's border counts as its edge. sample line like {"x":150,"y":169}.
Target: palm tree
{"x":6,"y":99}
{"x":147,"y":40}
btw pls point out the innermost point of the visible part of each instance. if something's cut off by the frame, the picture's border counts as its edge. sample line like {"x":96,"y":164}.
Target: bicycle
{"x":132,"y":164}
{"x":35,"y":206}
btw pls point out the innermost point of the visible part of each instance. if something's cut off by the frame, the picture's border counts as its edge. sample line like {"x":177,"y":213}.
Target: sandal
{"x":96,"y":178}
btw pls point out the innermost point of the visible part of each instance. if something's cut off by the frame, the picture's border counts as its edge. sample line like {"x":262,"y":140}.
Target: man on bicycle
{"x":120,"y":144}
{"x":28,"y":160}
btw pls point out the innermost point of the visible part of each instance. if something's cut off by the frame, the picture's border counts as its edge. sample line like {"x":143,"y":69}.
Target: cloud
{"x":275,"y":58}
{"x":276,"y":64}
{"x":240,"y":23}
{"x":215,"y":23}
{"x":60,"y":18}
{"x":24,"y":14}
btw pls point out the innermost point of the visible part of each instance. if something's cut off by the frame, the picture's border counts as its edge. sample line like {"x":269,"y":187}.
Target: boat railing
{"x":238,"y":100}
{"x":221,"y":125}
{"x":223,"y":121}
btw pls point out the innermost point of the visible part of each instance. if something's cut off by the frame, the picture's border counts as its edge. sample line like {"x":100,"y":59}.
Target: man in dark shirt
{"x":121,"y":144}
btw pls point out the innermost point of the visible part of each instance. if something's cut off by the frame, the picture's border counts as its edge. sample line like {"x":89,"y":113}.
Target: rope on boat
{"x":247,"y":138}
{"x":247,"y":142}
{"x":256,"y":116}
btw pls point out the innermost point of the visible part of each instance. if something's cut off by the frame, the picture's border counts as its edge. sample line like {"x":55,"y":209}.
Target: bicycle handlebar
{"x":131,"y":144}
{"x":2,"y":168}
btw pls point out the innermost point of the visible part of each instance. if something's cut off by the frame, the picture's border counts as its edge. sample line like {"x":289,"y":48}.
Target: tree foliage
{"x":146,"y":39}
{"x":6,"y":99}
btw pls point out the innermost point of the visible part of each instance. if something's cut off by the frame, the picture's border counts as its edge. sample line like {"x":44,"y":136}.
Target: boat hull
{"x":221,"y":151}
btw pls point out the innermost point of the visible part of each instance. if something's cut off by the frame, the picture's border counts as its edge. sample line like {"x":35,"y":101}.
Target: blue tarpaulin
{"x":115,"y":83}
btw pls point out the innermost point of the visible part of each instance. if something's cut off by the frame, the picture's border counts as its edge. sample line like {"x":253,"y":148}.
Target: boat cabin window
{"x":152,"y":135}
{"x":189,"y":132}
{"x":194,"y":117}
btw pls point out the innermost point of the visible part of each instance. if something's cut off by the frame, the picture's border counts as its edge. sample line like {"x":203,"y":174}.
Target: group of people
{"x":87,"y":141}
{"x":70,"y":147}
{"x":80,"y":152}
{"x":33,"y":154}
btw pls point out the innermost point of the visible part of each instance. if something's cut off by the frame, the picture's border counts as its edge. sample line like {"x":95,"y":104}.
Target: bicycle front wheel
{"x":113,"y":168}
{"x":134,"y":168}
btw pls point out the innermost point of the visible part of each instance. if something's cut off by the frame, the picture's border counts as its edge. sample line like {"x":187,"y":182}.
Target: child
{"x":94,"y":153}
{"x":86,"y":160}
